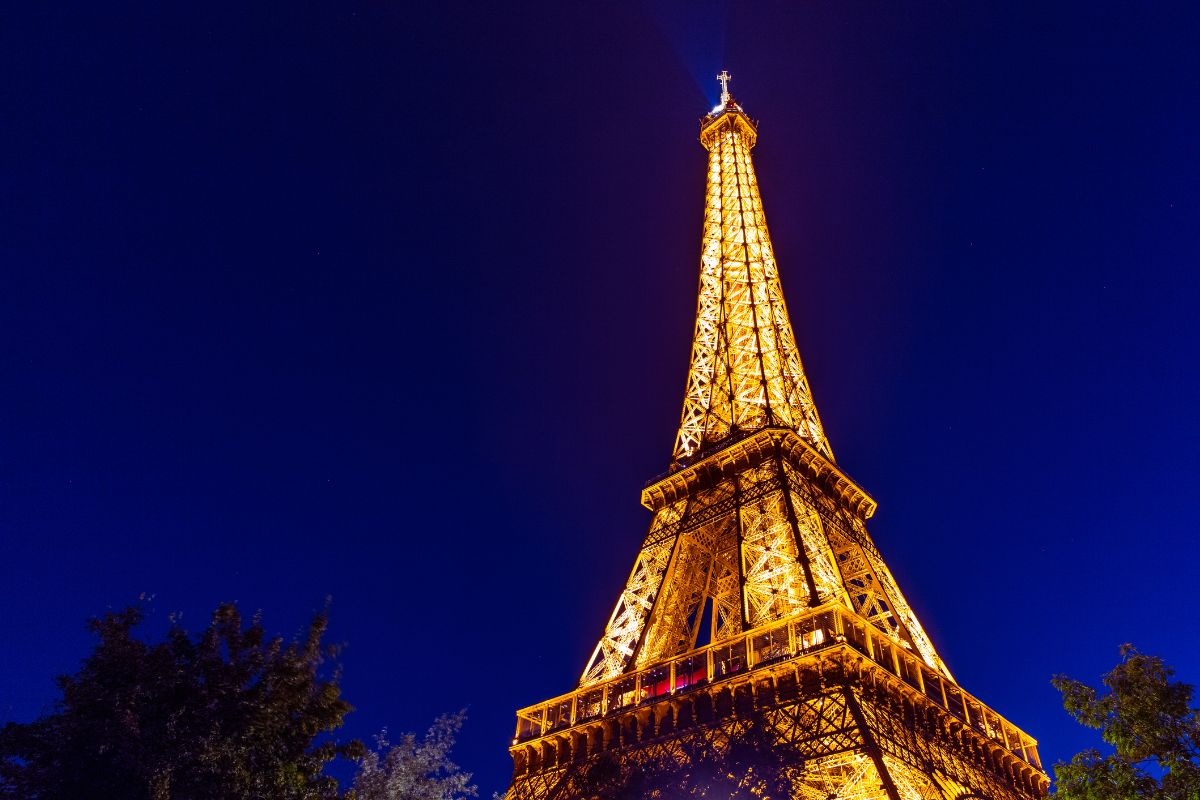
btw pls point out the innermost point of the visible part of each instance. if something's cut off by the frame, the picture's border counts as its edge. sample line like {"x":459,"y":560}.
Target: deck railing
{"x":818,"y":629}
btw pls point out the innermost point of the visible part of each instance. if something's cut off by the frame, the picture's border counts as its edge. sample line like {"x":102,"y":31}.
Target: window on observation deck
{"x":729,"y":659}
{"x":690,"y":672}
{"x":623,"y":693}
{"x":590,"y":705}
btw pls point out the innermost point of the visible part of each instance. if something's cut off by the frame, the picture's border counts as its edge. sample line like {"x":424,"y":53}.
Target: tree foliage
{"x":1153,"y":731}
{"x":232,"y":713}
{"x":750,"y":766}
{"x":415,"y":769}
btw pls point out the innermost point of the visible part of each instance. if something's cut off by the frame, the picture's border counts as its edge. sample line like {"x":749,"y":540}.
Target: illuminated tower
{"x":760,"y":636}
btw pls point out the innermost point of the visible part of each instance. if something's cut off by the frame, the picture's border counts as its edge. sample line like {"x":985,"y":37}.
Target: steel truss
{"x":762,"y":529}
{"x":745,"y":368}
{"x":843,"y":727}
{"x":758,"y":546}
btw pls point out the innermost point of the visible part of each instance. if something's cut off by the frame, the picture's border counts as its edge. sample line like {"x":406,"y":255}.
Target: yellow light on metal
{"x":758,"y":543}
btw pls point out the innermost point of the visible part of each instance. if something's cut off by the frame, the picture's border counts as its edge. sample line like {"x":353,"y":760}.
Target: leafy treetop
{"x":1151,"y":726}
{"x":231,"y":713}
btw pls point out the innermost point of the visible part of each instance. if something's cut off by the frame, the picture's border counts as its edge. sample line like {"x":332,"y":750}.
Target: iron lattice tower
{"x":758,"y":547}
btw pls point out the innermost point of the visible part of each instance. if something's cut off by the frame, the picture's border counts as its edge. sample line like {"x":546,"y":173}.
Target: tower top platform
{"x":727,"y":115}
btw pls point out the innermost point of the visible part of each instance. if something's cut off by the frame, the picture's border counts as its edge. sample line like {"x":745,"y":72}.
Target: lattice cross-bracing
{"x":760,"y":641}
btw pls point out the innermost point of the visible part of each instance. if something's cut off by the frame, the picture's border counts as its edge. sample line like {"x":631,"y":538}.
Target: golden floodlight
{"x":758,"y":598}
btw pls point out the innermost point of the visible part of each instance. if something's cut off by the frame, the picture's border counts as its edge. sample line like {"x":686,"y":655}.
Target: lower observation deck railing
{"x":822,"y":628}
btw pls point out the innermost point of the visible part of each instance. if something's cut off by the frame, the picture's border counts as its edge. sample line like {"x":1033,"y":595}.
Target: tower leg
{"x":870,"y":743}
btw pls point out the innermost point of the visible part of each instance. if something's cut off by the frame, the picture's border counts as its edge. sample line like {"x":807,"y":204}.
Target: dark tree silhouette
{"x":231,"y":713}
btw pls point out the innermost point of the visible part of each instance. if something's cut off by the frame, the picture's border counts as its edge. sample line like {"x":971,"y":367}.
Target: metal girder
{"x":826,"y":726}
{"x":812,"y":649}
{"x":766,"y":539}
{"x":745,"y":369}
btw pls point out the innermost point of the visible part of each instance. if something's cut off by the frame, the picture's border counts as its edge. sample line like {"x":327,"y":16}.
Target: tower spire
{"x":746,"y":372}
{"x":724,"y":80}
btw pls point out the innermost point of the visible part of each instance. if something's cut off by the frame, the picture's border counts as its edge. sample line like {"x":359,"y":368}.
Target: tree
{"x":231,"y":714}
{"x":1151,"y":726}
{"x":750,"y":765}
{"x":415,"y":770}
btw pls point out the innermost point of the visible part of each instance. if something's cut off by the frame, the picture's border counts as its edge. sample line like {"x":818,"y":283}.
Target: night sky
{"x":393,"y":304}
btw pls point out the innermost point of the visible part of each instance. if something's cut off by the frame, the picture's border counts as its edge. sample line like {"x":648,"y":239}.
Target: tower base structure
{"x":821,"y":706}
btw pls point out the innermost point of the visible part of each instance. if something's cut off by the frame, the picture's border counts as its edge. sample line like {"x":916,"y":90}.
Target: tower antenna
{"x":724,"y":79}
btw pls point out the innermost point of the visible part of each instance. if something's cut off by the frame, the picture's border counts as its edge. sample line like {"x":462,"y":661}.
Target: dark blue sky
{"x":394,"y":304}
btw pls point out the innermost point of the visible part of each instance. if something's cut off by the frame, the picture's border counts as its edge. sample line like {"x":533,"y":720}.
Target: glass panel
{"x":813,"y":632}
{"x":729,"y":659}
{"x":523,"y":729}
{"x":883,"y":654}
{"x":908,"y":672}
{"x":1014,"y":739}
{"x":589,"y":705}
{"x":531,"y":725}
{"x":991,"y":724}
{"x":827,"y":627}
{"x":691,"y":671}
{"x":621,"y":693}
{"x":855,"y":635}
{"x":933,"y":686}
{"x":770,"y":646}
{"x":954,"y":698}
{"x":656,"y":682}
{"x":558,"y":715}
{"x":976,"y":714}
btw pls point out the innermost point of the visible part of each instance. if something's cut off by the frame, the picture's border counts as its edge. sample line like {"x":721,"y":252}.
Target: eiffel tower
{"x":759,"y":618}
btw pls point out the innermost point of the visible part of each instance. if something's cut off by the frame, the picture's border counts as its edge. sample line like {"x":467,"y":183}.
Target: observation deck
{"x":743,"y":449}
{"x":805,"y":653}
